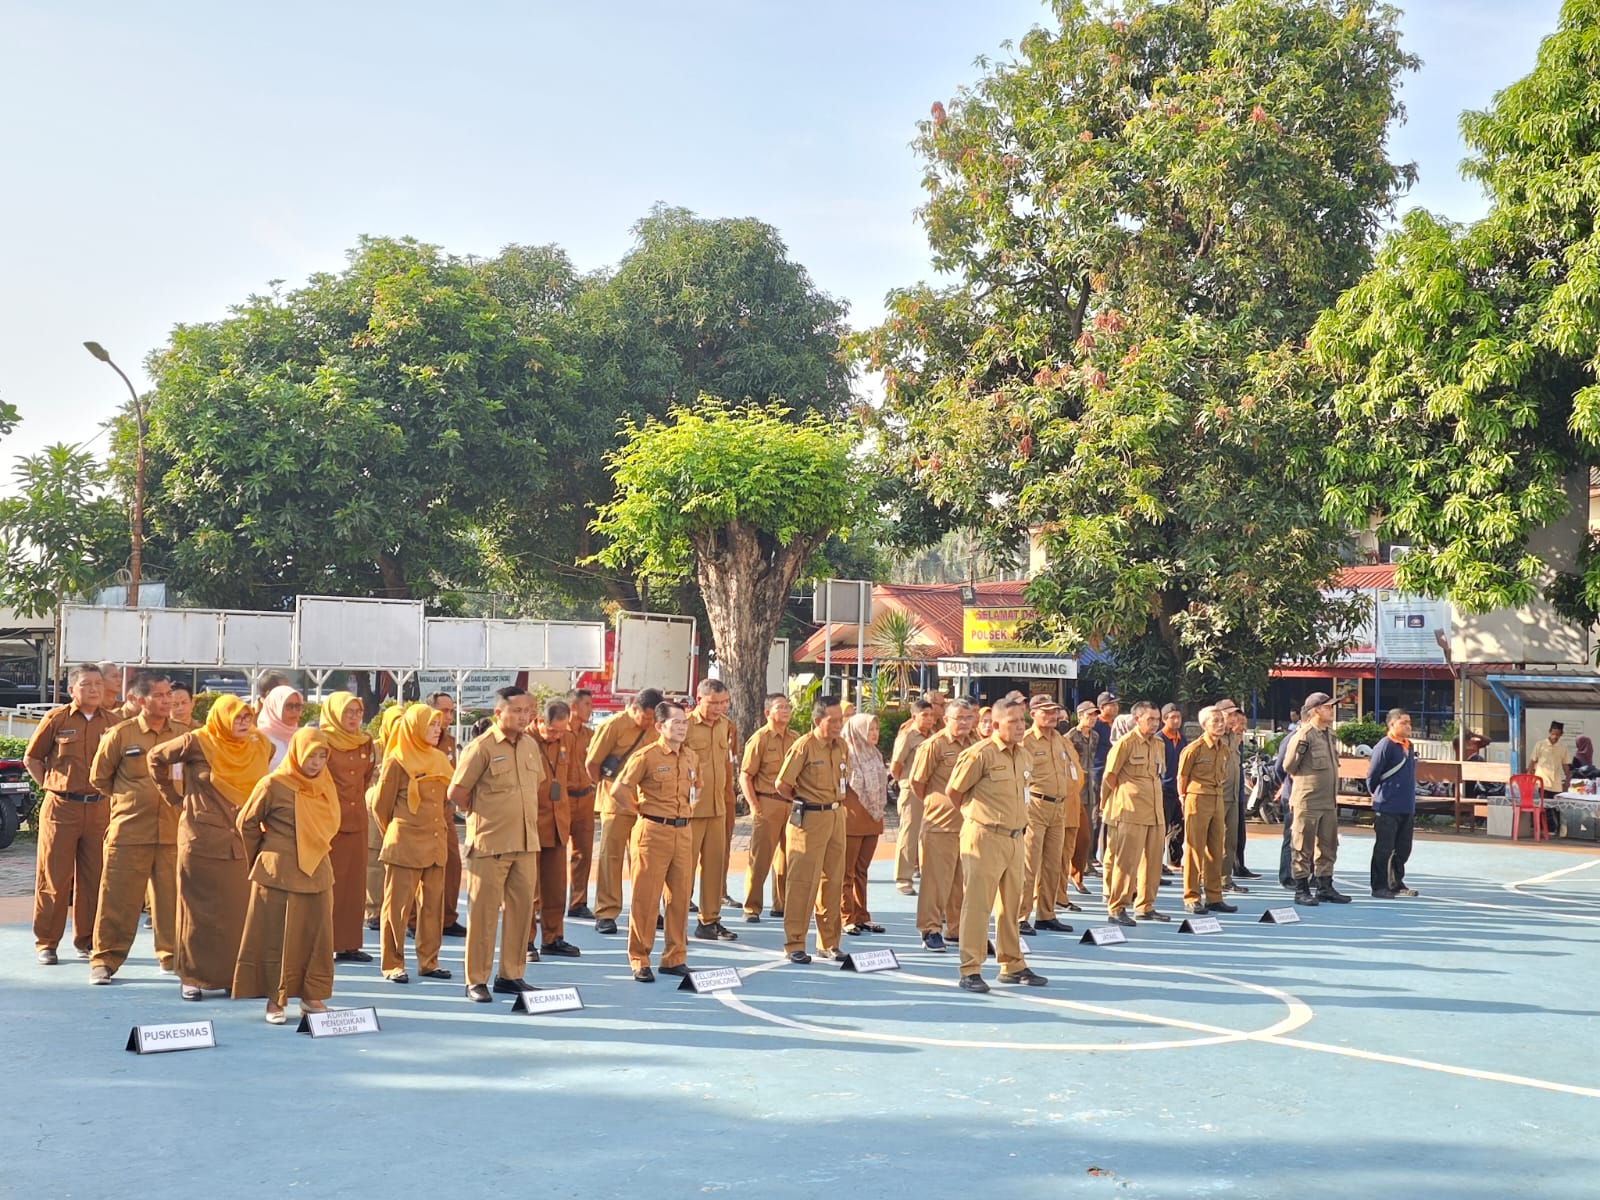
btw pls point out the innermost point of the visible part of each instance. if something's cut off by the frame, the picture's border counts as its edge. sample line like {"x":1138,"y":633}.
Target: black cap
{"x":1316,"y":700}
{"x":1106,"y":698}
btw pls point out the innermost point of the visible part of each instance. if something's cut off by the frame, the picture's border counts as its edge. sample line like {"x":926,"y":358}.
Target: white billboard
{"x":455,"y":644}
{"x":257,"y":639}
{"x":101,"y":634}
{"x":654,"y":650}
{"x":333,"y":632}
{"x":182,"y":637}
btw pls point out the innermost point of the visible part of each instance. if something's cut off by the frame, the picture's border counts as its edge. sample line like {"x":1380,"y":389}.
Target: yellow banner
{"x":994,"y":631}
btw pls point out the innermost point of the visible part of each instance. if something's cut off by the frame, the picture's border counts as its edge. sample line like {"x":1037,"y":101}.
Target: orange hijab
{"x":237,"y":763}
{"x":411,"y":750}
{"x":333,"y":728}
{"x":316,"y":799}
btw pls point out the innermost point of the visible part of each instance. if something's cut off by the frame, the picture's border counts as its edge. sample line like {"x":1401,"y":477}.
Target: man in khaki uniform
{"x":990,"y":784}
{"x":661,"y":783}
{"x":1082,"y":738}
{"x":1205,"y":776}
{"x":1311,"y":760}
{"x":815,"y":781}
{"x":581,"y":833}
{"x":1130,"y":796}
{"x":712,"y":737}
{"x":1550,"y":761}
{"x":618,"y":737}
{"x":181,"y":716}
{"x":496,"y":784}
{"x":141,"y":843}
{"x":563,"y":771}
{"x":1233,"y":738}
{"x":1052,"y":816}
{"x":912,"y":734}
{"x":72,"y":818}
{"x":939,"y":901}
{"x":769,"y":815}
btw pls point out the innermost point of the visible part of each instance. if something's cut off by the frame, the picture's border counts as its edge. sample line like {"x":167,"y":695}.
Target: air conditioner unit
{"x":1396,"y":553}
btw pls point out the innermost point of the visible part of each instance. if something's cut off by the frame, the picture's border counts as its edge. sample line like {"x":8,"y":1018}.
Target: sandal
{"x":312,"y":1006}
{"x":872,"y":928}
{"x":275,"y":1016}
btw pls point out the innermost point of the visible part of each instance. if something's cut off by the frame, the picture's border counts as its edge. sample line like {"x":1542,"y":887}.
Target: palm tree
{"x":898,"y":642}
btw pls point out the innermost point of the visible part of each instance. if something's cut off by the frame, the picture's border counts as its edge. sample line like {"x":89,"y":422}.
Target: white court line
{"x":1515,"y":888}
{"x":1522,"y":909}
{"x":1422,"y":1064}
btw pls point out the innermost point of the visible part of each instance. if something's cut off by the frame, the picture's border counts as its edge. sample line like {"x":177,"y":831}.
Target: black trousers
{"x":1172,"y":810}
{"x":1391,"y":848}
{"x":1285,"y":872}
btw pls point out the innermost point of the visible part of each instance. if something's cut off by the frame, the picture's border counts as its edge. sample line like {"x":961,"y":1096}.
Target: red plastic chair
{"x":1527,"y":795}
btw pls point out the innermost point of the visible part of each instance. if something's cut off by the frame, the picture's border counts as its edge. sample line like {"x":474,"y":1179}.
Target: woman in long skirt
{"x":209,"y":774}
{"x":288,"y":826}
{"x":864,"y":807}
{"x":350,"y":763}
{"x":408,"y":802}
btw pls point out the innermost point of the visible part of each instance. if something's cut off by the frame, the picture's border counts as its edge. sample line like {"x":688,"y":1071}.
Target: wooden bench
{"x":1465,"y":811}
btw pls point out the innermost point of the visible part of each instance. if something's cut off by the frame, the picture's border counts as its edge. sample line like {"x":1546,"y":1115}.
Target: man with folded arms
{"x":990,"y":784}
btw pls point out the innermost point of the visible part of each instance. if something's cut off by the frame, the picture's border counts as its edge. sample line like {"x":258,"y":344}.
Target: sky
{"x":161,"y":161}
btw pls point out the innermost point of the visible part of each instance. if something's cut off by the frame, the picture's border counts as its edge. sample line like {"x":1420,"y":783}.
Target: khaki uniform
{"x":1077,"y":847}
{"x":712,"y":743}
{"x":619,"y":732}
{"x":908,"y":840}
{"x":581,"y":825}
{"x":1053,"y":818}
{"x":1132,"y":811}
{"x":413,"y":857}
{"x":141,"y":846}
{"x":351,"y":771}
{"x":562,"y":772}
{"x":992,"y":780}
{"x":818,"y":769}
{"x":287,"y":945}
{"x":939,"y":899}
{"x":452,"y":844}
{"x":769,"y":816}
{"x":1206,"y":768}
{"x":661,"y":783}
{"x":72,"y":822}
{"x":1312,"y":762}
{"x":502,"y":859}
{"x":1230,"y":808}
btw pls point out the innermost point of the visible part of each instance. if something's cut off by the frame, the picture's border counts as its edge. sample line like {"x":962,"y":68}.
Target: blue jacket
{"x":1397,"y":793}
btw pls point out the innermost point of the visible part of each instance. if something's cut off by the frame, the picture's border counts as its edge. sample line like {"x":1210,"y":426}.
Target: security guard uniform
{"x":1312,"y":762}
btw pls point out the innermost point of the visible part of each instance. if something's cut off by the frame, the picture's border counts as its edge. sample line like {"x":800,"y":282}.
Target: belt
{"x":1009,"y":832}
{"x":675,"y":822}
{"x":820,"y":807}
{"x":1042,"y":796}
{"x":80,"y":797}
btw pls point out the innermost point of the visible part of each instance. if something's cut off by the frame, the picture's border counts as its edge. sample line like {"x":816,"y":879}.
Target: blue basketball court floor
{"x":1440,"y":1047}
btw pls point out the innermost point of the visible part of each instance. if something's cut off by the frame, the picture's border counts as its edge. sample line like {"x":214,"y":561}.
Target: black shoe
{"x":352,"y":956}
{"x":752,"y":918}
{"x":1153,"y":915}
{"x":1329,"y":894}
{"x":645,"y":975}
{"x":799,"y":956}
{"x":373,"y":924}
{"x":855,"y":930}
{"x":479,"y":993}
{"x":1121,"y":918}
{"x":1302,"y":894}
{"x":1382,"y":894}
{"x":511,"y":987}
{"x":1194,"y":906}
{"x":454,"y":929}
{"x":715,"y":932}
{"x":1222,"y":906}
{"x":1245,"y":873}
{"x":561,"y":948}
{"x":533,"y":952}
{"x":1166,"y":870}
{"x":1237,"y":889}
{"x":47,"y":957}
{"x":581,"y":912}
{"x":681,"y":970}
{"x":661,"y":922}
{"x":1026,"y":975}
{"x":1053,"y":925}
{"x":1069,"y":906}
{"x":693,"y":907}
{"x":398,"y":977}
{"x":1025,"y":929}
{"x":973,"y":983}
{"x":436,"y":973}
{"x":775,"y":912}
{"x":605,"y":925}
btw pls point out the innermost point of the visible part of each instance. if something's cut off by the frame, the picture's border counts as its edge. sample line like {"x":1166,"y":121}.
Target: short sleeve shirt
{"x":65,"y":741}
{"x":817,"y":768}
{"x":503,"y":777}
{"x":662,"y":782}
{"x":993,"y":779}
{"x":763,"y":757}
{"x":1135,"y":763}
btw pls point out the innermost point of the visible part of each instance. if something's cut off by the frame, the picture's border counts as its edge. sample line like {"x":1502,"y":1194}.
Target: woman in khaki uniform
{"x":288,"y":827}
{"x":217,"y":768}
{"x":408,"y":803}
{"x":864,"y":808}
{"x":385,"y":739}
{"x":350,"y":766}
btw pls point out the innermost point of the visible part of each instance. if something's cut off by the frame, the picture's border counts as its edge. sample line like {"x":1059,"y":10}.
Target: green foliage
{"x":63,"y":536}
{"x":1365,"y":732}
{"x":899,"y":642}
{"x":889,"y":722}
{"x":342,"y":438}
{"x":13,"y":747}
{"x":202,"y":706}
{"x":1146,"y":210}
{"x":1467,"y":406}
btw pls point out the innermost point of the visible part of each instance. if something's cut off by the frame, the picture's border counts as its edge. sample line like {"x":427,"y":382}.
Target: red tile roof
{"x":936,"y":605}
{"x":1377,"y":575}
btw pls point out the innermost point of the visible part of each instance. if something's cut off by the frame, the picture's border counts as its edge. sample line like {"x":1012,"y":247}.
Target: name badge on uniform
{"x":844,"y":784}
{"x":497,"y":758}
{"x":1073,"y":768}
{"x":133,"y":752}
{"x":66,"y":735}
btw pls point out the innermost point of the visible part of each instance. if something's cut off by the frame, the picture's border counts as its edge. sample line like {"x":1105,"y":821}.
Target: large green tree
{"x":739,"y":500}
{"x":353,"y":435}
{"x":1466,"y":359}
{"x":1145,"y":210}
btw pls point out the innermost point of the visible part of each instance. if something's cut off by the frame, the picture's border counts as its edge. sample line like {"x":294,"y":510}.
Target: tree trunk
{"x":745,"y":589}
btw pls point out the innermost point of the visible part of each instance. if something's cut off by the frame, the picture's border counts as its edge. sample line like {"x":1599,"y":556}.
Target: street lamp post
{"x":136,"y":561}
